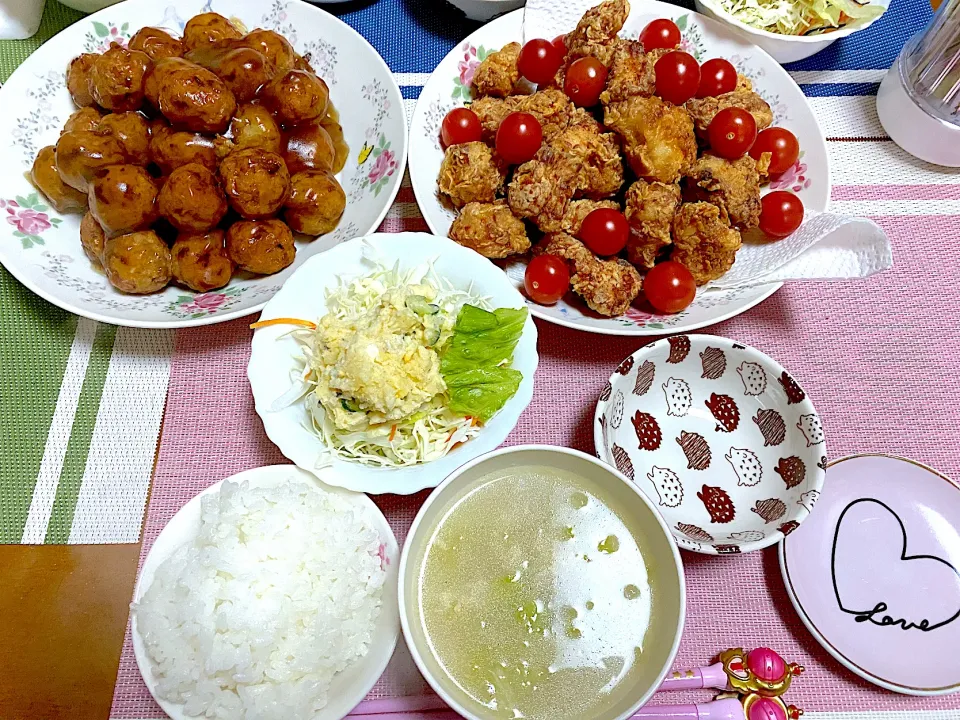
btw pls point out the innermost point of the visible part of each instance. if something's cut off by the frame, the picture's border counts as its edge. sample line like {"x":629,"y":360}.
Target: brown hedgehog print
{"x":727,"y":549}
{"x":788,"y":527}
{"x":770,"y":510}
{"x":714,"y":363}
{"x":795,"y":393}
{"x":697,"y":450}
{"x":645,"y":375}
{"x":625,"y":367}
{"x":622,"y":461}
{"x":603,"y":429}
{"x":679,"y":348}
{"x":792,"y":470}
{"x":725,"y":412}
{"x":772,"y":427}
{"x":823,"y":462}
{"x":718,"y":504}
{"x":647,"y":429}
{"x":606,"y":392}
{"x":616,"y":411}
{"x":694,"y":532}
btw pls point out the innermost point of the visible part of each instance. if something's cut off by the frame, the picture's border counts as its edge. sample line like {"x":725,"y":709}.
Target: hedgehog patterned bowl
{"x":719,"y":436}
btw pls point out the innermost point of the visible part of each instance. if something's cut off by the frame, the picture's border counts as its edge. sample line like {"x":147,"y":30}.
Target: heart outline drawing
{"x":877,"y":614}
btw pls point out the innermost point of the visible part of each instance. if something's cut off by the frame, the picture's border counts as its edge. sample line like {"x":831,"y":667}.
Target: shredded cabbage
{"x":801,"y":17}
{"x":434,"y":428}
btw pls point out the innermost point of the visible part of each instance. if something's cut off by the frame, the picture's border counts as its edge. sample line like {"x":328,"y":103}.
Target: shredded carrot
{"x":283,"y":321}
{"x":393,"y":432}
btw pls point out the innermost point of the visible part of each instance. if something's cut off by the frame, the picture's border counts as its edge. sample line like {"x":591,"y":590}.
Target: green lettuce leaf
{"x":475,"y":359}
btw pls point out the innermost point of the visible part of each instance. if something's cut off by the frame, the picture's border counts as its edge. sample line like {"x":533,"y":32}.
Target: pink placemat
{"x":880,"y":358}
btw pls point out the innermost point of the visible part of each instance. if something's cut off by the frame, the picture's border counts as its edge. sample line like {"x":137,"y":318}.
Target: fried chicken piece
{"x":607,"y":286}
{"x":542,"y":188}
{"x":498,"y":75}
{"x":631,"y":72}
{"x":702,"y":110}
{"x":471,"y":172}
{"x":658,"y":137}
{"x":650,"y":208}
{"x":596,"y":33}
{"x":704,"y":241}
{"x":578,"y":210}
{"x":596,"y":157}
{"x":491,"y":229}
{"x":551,"y":107}
{"x":582,"y":118}
{"x":733,"y":186}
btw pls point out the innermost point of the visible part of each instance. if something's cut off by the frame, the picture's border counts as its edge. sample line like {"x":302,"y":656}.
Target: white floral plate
{"x":273,"y":357}
{"x":449,"y":87}
{"x":42,"y":249}
{"x":719,"y":436}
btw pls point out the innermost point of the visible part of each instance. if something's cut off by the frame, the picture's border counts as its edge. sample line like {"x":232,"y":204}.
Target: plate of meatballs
{"x":617,"y":170}
{"x":173,"y":165}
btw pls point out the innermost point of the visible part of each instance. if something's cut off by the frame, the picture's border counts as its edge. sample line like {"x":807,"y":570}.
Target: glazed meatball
{"x":159,"y":75}
{"x":123,"y":199}
{"x":191,"y":199}
{"x":341,"y":149}
{"x":192,"y":97}
{"x":261,"y":246}
{"x":254,"y":127}
{"x":296,"y":96}
{"x":117,"y":77}
{"x":315,"y":204}
{"x":256,"y":182}
{"x":308,"y":147}
{"x":92,"y":238}
{"x":170,"y":150}
{"x":208,"y":28}
{"x":132,"y":131}
{"x":86,"y":118}
{"x":155,"y":43}
{"x":45,"y":176}
{"x":274,"y":46}
{"x":78,"y":79}
{"x":200,"y":261}
{"x":244,"y":71}
{"x":82,"y":154}
{"x":137,"y":263}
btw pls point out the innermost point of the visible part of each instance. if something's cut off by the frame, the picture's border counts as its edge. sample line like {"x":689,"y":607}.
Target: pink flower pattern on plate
{"x":468,"y":66}
{"x":793,"y":178}
{"x":384,"y":166}
{"x":204,"y":303}
{"x":29,"y":222}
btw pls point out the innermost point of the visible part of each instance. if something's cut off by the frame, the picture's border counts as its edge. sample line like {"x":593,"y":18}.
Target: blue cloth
{"x":413,"y":36}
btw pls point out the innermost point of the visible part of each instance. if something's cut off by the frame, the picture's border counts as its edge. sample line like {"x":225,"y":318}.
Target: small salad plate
{"x":277,"y":368}
{"x":349,"y":686}
{"x":450,"y":86}
{"x":875,"y":573}
{"x":719,"y":436}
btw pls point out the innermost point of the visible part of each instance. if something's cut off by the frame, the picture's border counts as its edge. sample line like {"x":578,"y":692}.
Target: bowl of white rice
{"x":268,"y":596}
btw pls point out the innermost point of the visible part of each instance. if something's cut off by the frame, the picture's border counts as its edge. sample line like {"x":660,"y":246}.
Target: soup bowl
{"x":640,"y":661}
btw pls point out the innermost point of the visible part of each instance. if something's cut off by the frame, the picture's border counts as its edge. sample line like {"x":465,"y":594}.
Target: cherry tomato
{"x":782,"y":146}
{"x":547,"y":279}
{"x":539,"y":61}
{"x":781,"y":213}
{"x":560,"y":43}
{"x":585,"y":80}
{"x":461,"y":125}
{"x":519,"y":137}
{"x":678,"y":77}
{"x":605,"y":231}
{"x":658,"y":34}
{"x":732,"y":132}
{"x":717,"y":76}
{"x":669,"y":287}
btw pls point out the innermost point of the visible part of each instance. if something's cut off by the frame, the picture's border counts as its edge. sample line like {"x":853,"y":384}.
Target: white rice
{"x":279,"y":592}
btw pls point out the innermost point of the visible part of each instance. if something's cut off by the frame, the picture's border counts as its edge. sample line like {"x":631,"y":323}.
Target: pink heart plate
{"x":874,"y":573}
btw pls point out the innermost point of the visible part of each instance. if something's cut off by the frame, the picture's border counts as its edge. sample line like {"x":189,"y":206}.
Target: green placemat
{"x":55,"y":18}
{"x":75,"y":453}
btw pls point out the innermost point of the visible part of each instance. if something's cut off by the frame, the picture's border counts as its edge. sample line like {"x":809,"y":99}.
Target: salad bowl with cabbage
{"x":391,"y":360}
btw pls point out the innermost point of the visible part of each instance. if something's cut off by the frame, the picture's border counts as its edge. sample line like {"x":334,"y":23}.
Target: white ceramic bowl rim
{"x":421,"y":513}
{"x":828,"y":37}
